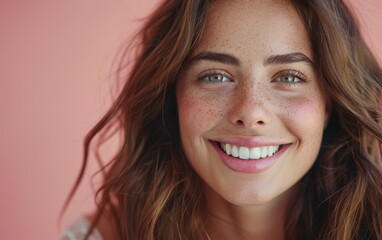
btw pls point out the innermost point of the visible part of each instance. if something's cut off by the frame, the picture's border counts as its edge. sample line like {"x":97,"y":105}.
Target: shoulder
{"x":78,"y":229}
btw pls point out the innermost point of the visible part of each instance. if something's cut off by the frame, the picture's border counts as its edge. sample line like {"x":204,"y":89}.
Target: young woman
{"x":246,"y":120}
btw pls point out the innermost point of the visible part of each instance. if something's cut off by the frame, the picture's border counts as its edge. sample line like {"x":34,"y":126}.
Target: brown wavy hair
{"x":150,"y":190}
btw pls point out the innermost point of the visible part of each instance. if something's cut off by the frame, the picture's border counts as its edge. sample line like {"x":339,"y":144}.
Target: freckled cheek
{"x":198,"y":113}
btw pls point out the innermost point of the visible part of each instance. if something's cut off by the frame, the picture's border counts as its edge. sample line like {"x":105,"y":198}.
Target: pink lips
{"x":248,"y":166}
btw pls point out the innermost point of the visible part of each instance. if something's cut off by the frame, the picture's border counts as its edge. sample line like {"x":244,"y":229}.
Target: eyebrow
{"x":233,"y":60}
{"x":288,"y":58}
{"x":216,"y":57}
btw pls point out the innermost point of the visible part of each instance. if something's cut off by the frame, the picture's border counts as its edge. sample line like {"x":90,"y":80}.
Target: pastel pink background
{"x":55,"y":58}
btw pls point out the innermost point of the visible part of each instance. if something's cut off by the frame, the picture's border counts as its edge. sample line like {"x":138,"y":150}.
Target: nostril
{"x":240,"y":122}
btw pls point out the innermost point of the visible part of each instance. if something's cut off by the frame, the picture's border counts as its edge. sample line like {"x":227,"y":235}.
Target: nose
{"x":249,"y":109}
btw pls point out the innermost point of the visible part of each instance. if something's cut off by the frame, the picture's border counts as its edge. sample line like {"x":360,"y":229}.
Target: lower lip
{"x":250,"y":165}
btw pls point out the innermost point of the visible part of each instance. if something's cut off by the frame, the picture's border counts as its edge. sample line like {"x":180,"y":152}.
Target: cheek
{"x":305,"y":118}
{"x":197,"y":113}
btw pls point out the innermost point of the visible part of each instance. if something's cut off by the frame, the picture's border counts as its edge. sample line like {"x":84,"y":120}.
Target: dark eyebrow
{"x":216,"y":57}
{"x":288,"y":58}
{"x":232,"y":60}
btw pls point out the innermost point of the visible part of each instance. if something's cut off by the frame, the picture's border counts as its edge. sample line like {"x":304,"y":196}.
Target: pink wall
{"x":54,"y":64}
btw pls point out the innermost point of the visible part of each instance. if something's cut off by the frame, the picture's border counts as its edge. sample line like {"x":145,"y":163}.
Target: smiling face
{"x":251,"y":112}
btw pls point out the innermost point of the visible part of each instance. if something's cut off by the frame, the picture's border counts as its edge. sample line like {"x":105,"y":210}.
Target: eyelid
{"x":291,"y":72}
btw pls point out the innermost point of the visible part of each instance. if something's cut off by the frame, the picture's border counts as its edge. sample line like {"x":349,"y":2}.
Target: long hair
{"x":150,"y":190}
{"x":342,"y":195}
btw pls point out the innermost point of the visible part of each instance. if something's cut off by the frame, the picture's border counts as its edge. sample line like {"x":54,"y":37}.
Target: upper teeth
{"x":249,"y":153}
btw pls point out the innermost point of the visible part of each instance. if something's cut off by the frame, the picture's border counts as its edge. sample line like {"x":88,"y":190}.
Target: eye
{"x":290,"y":77}
{"x":214,"y":76}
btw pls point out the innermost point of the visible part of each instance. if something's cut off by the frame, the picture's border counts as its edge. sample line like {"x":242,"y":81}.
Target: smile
{"x":246,"y":153}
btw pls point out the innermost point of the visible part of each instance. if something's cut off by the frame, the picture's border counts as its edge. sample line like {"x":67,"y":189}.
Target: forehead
{"x":254,"y":26}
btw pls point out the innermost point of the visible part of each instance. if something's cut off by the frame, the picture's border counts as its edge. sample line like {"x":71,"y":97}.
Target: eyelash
{"x":212,"y":73}
{"x":290,"y":73}
{"x":297,"y":75}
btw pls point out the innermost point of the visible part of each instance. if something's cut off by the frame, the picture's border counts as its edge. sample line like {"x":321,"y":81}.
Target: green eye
{"x":289,"y":79}
{"x":217,"y":78}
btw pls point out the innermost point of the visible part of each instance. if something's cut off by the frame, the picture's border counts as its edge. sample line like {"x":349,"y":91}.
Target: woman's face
{"x":251,"y":112}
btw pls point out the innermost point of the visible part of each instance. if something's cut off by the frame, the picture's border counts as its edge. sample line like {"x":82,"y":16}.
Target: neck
{"x":263,"y":221}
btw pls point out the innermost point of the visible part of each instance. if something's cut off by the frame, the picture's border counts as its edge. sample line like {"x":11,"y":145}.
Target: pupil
{"x":216,"y":78}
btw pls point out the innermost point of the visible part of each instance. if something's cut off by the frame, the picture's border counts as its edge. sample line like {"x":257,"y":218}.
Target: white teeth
{"x":243,"y":153}
{"x":270,"y":150}
{"x":228,"y":148}
{"x":264,"y":152}
{"x":249,"y":153}
{"x":255,"y":153}
{"x":235,"y":151}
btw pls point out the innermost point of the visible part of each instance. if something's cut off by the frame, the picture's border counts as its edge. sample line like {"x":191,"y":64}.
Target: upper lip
{"x":252,"y":142}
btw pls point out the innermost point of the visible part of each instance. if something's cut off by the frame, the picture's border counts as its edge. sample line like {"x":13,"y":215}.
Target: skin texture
{"x":253,"y":105}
